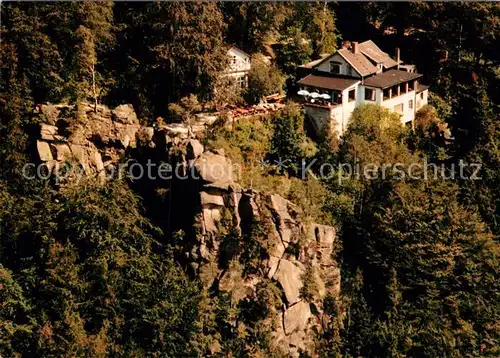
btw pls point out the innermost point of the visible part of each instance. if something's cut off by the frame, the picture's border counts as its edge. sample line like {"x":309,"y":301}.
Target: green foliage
{"x":83,"y":272}
{"x":185,"y":109}
{"x":374,"y":137}
{"x":263,"y":80}
{"x":227,"y":91}
{"x":159,"y":62}
{"x":309,"y":290}
{"x":252,"y":25}
{"x":289,"y":143}
{"x":92,"y":280}
{"x":439,"y":249}
{"x":248,"y":145}
{"x":428,"y":262}
{"x":430,"y":135}
{"x":295,"y":51}
{"x":41,"y":34}
{"x":308,"y":31}
{"x":442,"y":107}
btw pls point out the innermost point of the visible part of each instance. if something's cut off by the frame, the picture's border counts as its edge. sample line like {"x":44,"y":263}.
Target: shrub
{"x":263,"y":80}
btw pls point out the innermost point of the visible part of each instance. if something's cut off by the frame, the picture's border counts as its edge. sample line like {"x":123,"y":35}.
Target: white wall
{"x":337,"y":119}
{"x":241,"y":63}
{"x":422,"y":101}
{"x":408,"y":114}
{"x":361,"y":96}
{"x":325,"y":66}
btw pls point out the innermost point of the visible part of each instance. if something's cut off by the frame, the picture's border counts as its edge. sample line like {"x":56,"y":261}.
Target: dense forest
{"x":92,"y":269}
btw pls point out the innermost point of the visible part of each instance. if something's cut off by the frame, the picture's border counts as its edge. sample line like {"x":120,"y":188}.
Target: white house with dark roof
{"x":361,"y":73}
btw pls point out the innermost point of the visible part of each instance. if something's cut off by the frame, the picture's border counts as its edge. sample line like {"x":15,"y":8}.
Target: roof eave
{"x":413,"y":79}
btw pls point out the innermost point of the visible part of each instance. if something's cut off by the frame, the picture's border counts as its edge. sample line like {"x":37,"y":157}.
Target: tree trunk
{"x":93,"y":87}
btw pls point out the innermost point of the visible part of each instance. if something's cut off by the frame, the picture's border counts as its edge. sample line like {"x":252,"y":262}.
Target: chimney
{"x":398,"y":55}
{"x":355,"y":48}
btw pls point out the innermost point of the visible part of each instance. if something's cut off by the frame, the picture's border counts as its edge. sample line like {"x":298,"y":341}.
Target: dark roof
{"x":333,"y":83}
{"x":369,"y":49}
{"x":421,"y":88}
{"x":360,"y":63}
{"x":390,"y":78}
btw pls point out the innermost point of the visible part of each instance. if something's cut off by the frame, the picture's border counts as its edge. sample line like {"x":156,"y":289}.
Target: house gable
{"x":339,"y":62}
{"x":239,"y":61}
{"x":234,"y":51}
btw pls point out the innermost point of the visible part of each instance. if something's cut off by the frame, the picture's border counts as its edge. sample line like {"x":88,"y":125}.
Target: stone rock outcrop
{"x":291,"y":247}
{"x":214,"y":168}
{"x":194,"y":149}
{"x":91,"y":138}
{"x":289,"y":276}
{"x":124,"y":114}
{"x":44,"y":152}
{"x":296,"y":317}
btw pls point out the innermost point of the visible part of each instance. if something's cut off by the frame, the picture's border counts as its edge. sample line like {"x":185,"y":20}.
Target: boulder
{"x":176,"y":130}
{"x":50,"y":113}
{"x":96,"y":160}
{"x":210,"y":219}
{"x":296,"y":317}
{"x":286,"y":226}
{"x":48,"y":132}
{"x":272,"y":265}
{"x":194,"y":149}
{"x":210,"y":199}
{"x":324,"y":235}
{"x":125,"y":114}
{"x":43,"y":150}
{"x":126,"y":134}
{"x":61,"y":152}
{"x":207,"y":119}
{"x":213,"y":168}
{"x":289,"y":276}
{"x":79,"y":153}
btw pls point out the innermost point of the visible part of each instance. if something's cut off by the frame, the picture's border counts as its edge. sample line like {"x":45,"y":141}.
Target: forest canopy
{"x":98,"y":269}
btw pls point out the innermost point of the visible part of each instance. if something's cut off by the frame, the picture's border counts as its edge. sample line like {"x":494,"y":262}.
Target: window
{"x":335,"y":67}
{"x":369,"y":94}
{"x":410,"y":104}
{"x":349,"y":70}
{"x":352,"y":95}
{"x":411,"y":86}
{"x":241,"y":81}
{"x":422,"y":95}
{"x":336,"y":97}
{"x":234,"y":60}
{"x":399,"y":108}
{"x":387,"y":93}
{"x":402,"y":88}
{"x":395,"y":91}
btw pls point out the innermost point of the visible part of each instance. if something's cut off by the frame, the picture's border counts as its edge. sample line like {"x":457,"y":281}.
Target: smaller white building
{"x":239,"y":65}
